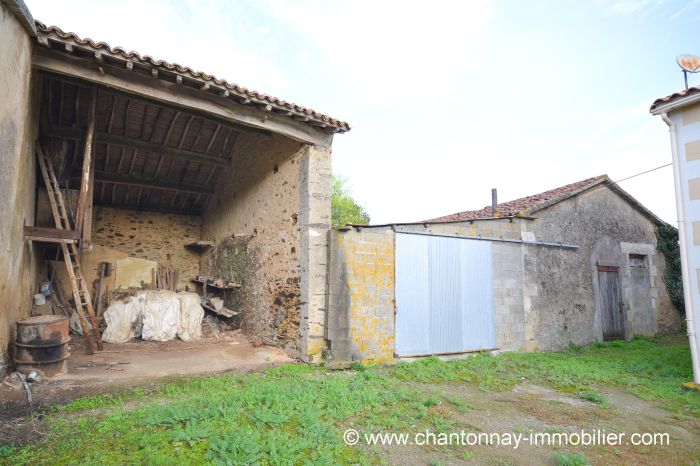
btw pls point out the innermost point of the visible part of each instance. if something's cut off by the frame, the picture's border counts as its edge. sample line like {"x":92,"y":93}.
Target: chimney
{"x":494,"y":201}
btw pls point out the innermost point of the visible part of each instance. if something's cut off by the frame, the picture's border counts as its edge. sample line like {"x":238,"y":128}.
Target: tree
{"x":667,"y":242}
{"x":344,"y":209}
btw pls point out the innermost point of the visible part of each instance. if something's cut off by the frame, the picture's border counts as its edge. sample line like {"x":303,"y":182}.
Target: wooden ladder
{"x":71,"y":254}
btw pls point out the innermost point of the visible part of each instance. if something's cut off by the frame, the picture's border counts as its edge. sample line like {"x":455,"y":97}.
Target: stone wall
{"x":155,"y":236}
{"x":361,"y":304}
{"x":314,"y":222}
{"x":18,"y":120}
{"x":254,"y":218}
{"x":544,"y":297}
{"x":562,"y":303}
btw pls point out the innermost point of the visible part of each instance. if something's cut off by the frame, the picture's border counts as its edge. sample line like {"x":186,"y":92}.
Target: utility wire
{"x":642,"y":173}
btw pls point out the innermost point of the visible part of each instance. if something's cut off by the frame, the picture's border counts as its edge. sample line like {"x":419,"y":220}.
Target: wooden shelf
{"x":210,"y":284}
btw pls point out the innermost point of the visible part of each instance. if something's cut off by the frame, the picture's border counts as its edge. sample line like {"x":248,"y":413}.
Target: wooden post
{"x":86,"y":235}
{"x":86,"y":181}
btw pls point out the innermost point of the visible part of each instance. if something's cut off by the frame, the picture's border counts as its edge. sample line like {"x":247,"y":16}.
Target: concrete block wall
{"x":509,"y":308}
{"x":361,"y":305}
{"x":493,"y":228}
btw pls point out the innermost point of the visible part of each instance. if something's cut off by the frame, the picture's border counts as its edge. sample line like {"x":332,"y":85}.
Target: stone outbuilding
{"x":161,"y":164}
{"x":576,"y":264}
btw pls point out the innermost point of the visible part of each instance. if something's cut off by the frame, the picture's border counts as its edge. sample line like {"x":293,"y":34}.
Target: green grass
{"x":593,"y":395}
{"x":652,"y":369}
{"x":570,"y":459}
{"x":296,"y":414}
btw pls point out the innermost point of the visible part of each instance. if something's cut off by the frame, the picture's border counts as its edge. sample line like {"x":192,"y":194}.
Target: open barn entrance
{"x":145,"y":198}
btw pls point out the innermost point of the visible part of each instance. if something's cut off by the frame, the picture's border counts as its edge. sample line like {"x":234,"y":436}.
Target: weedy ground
{"x":296,"y":414}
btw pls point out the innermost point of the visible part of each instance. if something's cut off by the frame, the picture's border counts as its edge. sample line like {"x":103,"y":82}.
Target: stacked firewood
{"x":166,"y":278}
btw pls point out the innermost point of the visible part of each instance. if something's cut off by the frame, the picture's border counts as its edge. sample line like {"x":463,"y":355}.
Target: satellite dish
{"x":689,"y":64}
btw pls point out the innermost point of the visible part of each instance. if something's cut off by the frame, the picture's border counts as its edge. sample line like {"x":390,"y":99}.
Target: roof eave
{"x":678,"y":102}
{"x":209,"y":84}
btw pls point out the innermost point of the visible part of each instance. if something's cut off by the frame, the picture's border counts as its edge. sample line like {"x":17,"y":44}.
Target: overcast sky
{"x":446,"y":99}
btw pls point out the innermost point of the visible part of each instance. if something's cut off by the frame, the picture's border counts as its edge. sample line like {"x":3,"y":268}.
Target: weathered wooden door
{"x":611,"y":302}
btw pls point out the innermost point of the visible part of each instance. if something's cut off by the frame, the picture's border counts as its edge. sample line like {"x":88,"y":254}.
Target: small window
{"x":638,"y":261}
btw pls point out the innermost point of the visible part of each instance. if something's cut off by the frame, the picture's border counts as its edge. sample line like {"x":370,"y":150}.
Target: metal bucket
{"x":41,"y":345}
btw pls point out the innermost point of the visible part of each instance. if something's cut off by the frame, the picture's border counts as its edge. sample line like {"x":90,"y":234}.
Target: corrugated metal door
{"x":444,"y":295}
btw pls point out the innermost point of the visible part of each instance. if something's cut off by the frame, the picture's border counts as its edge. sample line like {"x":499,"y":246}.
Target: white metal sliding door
{"x":444,"y":295}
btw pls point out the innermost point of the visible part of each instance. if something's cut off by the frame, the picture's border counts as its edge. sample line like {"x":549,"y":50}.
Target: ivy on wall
{"x":667,"y":243}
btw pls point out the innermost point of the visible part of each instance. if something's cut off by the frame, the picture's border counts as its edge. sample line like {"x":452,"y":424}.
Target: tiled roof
{"x":525,"y":205}
{"x":676,"y":95}
{"x":47,"y":34}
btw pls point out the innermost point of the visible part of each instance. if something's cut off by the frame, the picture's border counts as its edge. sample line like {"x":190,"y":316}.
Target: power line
{"x":642,"y":173}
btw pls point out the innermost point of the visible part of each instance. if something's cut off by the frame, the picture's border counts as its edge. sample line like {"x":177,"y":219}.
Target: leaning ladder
{"x":71,"y":255}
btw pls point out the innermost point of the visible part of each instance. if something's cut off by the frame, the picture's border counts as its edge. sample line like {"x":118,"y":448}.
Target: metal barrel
{"x":41,"y":344}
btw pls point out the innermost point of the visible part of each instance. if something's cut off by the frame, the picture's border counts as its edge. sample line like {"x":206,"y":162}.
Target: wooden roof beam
{"x":67,"y":132}
{"x":144,"y":182}
{"x":184,"y":97}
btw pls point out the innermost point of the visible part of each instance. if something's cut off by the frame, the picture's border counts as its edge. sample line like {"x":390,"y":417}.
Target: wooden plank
{"x":66,"y":132}
{"x":86,"y":181}
{"x":52,"y":233}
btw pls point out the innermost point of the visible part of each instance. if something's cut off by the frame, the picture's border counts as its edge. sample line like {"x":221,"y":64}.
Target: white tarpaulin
{"x":161,"y":315}
{"x":154,"y":315}
{"x":191,"y":315}
{"x":123,"y":320}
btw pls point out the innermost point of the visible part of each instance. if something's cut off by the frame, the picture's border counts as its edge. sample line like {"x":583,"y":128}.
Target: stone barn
{"x":576,"y":264}
{"x":164,"y":172}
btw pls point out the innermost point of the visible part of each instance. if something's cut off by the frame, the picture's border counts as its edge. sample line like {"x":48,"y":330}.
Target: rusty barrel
{"x":42,"y":344}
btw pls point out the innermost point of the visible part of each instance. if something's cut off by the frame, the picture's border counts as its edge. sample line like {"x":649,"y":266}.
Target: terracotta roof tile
{"x":521,"y":206}
{"x":674,"y":96}
{"x":305,"y":114}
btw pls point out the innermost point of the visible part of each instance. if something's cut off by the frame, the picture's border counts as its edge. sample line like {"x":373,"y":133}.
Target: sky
{"x":446,"y":99}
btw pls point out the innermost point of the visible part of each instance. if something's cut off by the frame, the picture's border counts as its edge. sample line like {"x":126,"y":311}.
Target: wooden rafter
{"x":112,"y":112}
{"x":126,"y":117}
{"x":184,"y":131}
{"x":132,"y":180}
{"x":171,"y":125}
{"x":211,"y":141}
{"x":72,"y":133}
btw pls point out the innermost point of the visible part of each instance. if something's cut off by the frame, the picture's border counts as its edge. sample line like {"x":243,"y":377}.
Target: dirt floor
{"x":533,"y":408}
{"x":137,"y":363}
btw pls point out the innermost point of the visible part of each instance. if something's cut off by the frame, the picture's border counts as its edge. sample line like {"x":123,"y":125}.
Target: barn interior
{"x":162,"y":197}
